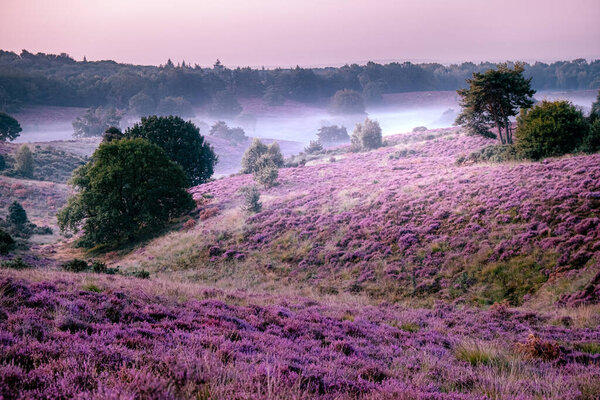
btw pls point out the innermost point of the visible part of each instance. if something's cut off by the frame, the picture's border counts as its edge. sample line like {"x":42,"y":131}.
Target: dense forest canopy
{"x":59,"y":80}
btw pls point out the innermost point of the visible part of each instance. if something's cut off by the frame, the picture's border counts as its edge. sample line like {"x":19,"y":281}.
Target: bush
{"x":253,"y":157}
{"x":591,"y":142}
{"x":224,"y":105}
{"x":174,"y":106}
{"x":182,"y":143}
{"x":313,"y":147}
{"x":141,"y":274}
{"x":419,"y":129}
{"x":17,"y":263}
{"x":496,"y":153}
{"x":75,"y":265}
{"x":7,"y":243}
{"x":112,"y":133}
{"x":367,"y":136}
{"x":24,"y":162}
{"x":267,"y":174}
{"x":129,"y":189}
{"x":17,"y":215}
{"x":333,"y":134}
{"x":96,"y":121}
{"x":550,"y":129}
{"x":347,"y":102}
{"x":220,"y":129}
{"x":251,"y":199}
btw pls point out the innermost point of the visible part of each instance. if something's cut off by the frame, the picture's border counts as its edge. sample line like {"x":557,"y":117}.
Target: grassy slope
{"x":399,"y":222}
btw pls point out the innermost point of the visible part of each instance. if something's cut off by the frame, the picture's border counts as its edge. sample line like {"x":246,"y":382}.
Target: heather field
{"x":389,"y":274}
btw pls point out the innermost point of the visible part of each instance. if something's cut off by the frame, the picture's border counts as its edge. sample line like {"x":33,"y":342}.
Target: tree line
{"x":59,"y":80}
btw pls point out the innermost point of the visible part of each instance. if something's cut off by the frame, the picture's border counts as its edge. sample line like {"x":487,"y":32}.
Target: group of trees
{"x":546,"y":129}
{"x":136,"y":181}
{"x":59,"y":80}
{"x":220,"y":129}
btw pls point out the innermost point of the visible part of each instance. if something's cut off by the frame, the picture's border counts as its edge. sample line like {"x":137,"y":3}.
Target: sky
{"x":287,"y":33}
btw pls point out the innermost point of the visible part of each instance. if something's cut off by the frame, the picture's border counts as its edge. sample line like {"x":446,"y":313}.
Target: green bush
{"x":496,"y":153}
{"x":258,"y":154}
{"x":7,"y":243}
{"x":75,"y":265}
{"x":267,"y":172}
{"x":367,"y":136}
{"x":550,"y":129}
{"x":181,"y":141}
{"x":591,"y":142}
{"x":333,"y":134}
{"x":251,"y":199}
{"x":16,"y":214}
{"x":24,"y":162}
{"x":130,"y":189}
{"x":347,"y":102}
{"x":17,"y":263}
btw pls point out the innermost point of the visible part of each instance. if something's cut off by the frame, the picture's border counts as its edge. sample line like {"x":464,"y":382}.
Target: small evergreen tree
{"x":24,"y":162}
{"x":252,"y":202}
{"x":16,"y":214}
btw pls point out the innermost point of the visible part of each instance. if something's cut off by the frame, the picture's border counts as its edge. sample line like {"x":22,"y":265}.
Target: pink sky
{"x":308,"y":32}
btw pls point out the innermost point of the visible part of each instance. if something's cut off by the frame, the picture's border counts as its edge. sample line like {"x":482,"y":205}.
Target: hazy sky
{"x":308,"y":32}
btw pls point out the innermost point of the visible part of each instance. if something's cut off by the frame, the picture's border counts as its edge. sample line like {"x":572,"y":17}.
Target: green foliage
{"x":142,"y":104}
{"x":476,"y":353}
{"x":112,"y":133}
{"x":95,"y":121}
{"x":410,"y":327}
{"x":181,"y":141}
{"x":141,"y":274}
{"x":17,"y":263}
{"x":591,"y":142}
{"x":367,"y":135}
{"x":595,"y":112}
{"x":313,"y":147}
{"x":2,"y":163}
{"x":224,"y":105}
{"x":252,"y":202}
{"x":253,"y":158}
{"x":174,"y":106}
{"x":496,"y":153}
{"x":16,"y":214}
{"x":550,"y":129}
{"x":9,"y":127}
{"x":75,"y":265}
{"x":492,"y":98}
{"x":129,"y":189}
{"x":333,"y":134}
{"x":347,"y":102}
{"x":7,"y":243}
{"x":267,"y":172}
{"x":24,"y":162}
{"x":220,"y":129}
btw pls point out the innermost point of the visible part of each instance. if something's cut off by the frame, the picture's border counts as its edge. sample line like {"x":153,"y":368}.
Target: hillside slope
{"x":399,"y":222}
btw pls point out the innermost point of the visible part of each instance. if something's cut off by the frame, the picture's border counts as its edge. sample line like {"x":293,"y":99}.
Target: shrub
{"x":313,"y":147}
{"x":16,"y":214}
{"x":24,"y":162}
{"x":534,"y":347}
{"x":99,"y":267}
{"x":419,"y":129}
{"x":75,"y":265}
{"x":17,"y":263}
{"x":95,"y":121}
{"x":496,"y":153}
{"x":550,"y":129}
{"x":129,"y":189}
{"x":333,"y":134}
{"x":112,"y":133}
{"x":141,"y":274}
{"x":254,"y":156}
{"x":347,"y":102}
{"x":7,"y":243}
{"x":220,"y":129}
{"x":367,"y":136}
{"x":182,"y":143}
{"x":266,"y":173}
{"x":251,"y":199}
{"x":591,"y":142}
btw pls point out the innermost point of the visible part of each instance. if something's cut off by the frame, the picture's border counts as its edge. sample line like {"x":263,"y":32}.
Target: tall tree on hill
{"x":492,"y":98}
{"x":9,"y":127}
